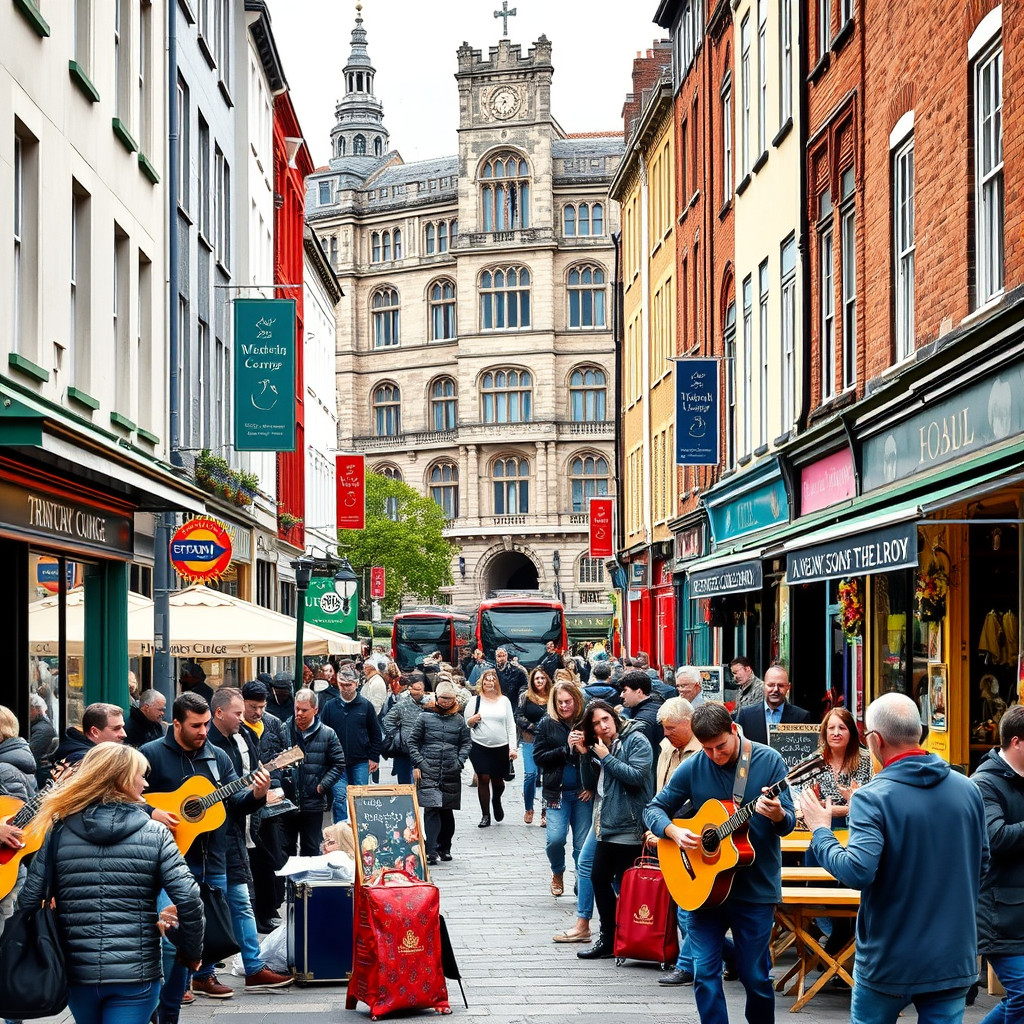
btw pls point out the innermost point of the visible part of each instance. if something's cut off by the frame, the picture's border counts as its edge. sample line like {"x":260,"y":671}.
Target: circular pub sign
{"x":200,"y":550}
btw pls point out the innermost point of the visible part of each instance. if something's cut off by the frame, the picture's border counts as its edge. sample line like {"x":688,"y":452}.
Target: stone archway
{"x":511,"y":570}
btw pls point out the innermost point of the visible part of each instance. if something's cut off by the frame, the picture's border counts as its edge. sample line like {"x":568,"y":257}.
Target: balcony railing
{"x":468,"y":433}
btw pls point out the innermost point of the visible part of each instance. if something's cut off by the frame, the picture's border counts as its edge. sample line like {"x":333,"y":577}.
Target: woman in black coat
{"x":439,"y":745}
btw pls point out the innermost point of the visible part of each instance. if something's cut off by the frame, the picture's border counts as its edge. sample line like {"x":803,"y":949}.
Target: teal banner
{"x":324,"y":608}
{"x":265,"y":375}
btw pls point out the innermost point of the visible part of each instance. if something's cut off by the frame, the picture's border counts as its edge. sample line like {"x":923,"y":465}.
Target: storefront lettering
{"x":879,"y":551}
{"x":950,"y":434}
{"x":733,"y":580}
{"x":66,"y":519}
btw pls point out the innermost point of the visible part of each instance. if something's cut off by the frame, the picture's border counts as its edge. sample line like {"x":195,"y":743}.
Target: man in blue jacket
{"x":917,"y":851}
{"x":749,"y":908}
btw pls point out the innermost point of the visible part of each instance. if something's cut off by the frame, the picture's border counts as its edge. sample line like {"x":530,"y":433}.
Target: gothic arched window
{"x":359,"y":145}
{"x":505,"y":192}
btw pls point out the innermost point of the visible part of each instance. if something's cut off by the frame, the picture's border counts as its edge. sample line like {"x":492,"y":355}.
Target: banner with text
{"x":350,"y":488}
{"x":377,"y":582}
{"x":325,"y":609}
{"x":697,"y":412}
{"x":884,"y":550}
{"x":602,"y":530}
{"x":736,"y":578}
{"x":265,"y":375}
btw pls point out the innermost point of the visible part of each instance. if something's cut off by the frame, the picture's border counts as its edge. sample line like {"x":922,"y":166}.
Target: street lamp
{"x":345,"y":584}
{"x":303,"y":573}
{"x":556,"y":563}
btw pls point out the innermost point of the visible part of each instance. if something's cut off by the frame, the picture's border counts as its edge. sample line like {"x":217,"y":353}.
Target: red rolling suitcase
{"x":397,"y":962}
{"x":645,"y":917}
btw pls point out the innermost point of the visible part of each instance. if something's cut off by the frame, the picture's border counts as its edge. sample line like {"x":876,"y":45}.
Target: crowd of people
{"x":609,"y":754}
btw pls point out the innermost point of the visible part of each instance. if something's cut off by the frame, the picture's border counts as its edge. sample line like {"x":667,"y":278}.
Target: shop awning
{"x":42,"y":624}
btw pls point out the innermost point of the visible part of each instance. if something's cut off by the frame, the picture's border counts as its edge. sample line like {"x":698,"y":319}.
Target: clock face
{"x":505,"y":102}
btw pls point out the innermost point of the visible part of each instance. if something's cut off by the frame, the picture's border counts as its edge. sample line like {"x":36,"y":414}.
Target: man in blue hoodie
{"x":917,"y":851}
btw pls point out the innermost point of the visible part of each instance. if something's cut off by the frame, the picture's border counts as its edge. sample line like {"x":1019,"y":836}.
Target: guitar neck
{"x":28,"y":809}
{"x":230,"y":788}
{"x":746,"y":812}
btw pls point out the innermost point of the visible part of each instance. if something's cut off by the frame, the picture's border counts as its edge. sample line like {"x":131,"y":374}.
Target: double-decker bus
{"x":416,"y":635}
{"x":522,"y":623}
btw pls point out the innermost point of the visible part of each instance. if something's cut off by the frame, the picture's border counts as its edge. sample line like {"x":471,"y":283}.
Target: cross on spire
{"x":505,"y":14}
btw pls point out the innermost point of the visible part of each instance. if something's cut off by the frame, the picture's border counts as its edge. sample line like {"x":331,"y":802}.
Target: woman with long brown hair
{"x":533,"y":706}
{"x":848,"y":761}
{"x":110,"y":863}
{"x":492,"y":729}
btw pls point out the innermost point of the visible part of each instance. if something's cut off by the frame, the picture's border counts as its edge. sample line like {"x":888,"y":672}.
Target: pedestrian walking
{"x":493,"y":732}
{"x":915,"y":809}
{"x":398,"y":723}
{"x":532,"y":707}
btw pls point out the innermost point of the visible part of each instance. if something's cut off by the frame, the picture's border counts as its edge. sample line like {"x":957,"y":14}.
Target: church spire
{"x":359,"y":117}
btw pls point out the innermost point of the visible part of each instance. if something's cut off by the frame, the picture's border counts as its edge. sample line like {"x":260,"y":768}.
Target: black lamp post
{"x":346,"y":583}
{"x":303,"y":573}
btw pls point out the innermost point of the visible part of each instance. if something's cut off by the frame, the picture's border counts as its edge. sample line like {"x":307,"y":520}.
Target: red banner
{"x":602,"y":532}
{"x":376,"y":582}
{"x":350,"y":484}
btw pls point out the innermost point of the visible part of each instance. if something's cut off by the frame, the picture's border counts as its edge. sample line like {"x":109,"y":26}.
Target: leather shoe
{"x":266,"y":978}
{"x":485,"y":821}
{"x":268,"y":924}
{"x":600,"y":950}
{"x":432,"y":858}
{"x":676,"y":977}
{"x":446,"y":855}
{"x":212,"y":987}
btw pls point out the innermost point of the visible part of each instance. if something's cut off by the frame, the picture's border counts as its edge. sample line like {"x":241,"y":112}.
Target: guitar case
{"x":645,"y":917}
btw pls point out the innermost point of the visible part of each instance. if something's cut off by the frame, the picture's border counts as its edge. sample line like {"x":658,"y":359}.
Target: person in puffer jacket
{"x":110,"y":863}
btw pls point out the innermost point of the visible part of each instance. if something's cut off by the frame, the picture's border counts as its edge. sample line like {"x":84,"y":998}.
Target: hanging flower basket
{"x":930,"y":593}
{"x":851,"y":610}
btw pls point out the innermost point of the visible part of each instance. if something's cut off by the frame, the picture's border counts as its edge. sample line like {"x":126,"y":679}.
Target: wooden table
{"x":799,"y":841}
{"x":801,"y":874}
{"x":799,"y":907}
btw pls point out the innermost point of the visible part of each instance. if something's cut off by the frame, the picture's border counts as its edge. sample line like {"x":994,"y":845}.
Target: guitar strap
{"x":739,"y":782}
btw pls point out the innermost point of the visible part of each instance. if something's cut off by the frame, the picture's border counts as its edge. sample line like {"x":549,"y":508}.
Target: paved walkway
{"x":494,"y":895}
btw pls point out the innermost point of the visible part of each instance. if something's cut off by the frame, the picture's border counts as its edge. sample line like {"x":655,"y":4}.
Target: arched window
{"x":377,"y":146}
{"x":381,"y":243}
{"x":588,"y":478}
{"x":385,"y":317}
{"x":341,"y":145}
{"x":586,"y":296}
{"x":511,"y":480}
{"x":597,"y":219}
{"x":430,"y":238}
{"x":398,"y":243}
{"x":359,"y":145}
{"x":505,"y":299}
{"x":582,"y":220}
{"x":507,"y":396}
{"x":391,"y":502}
{"x":444,"y":488}
{"x":386,"y":469}
{"x":442,"y":310}
{"x":505,"y":192}
{"x":387,"y":410}
{"x":569,"y":222}
{"x":385,"y":247}
{"x":375,"y":247}
{"x":587,"y":395}
{"x":443,"y":404}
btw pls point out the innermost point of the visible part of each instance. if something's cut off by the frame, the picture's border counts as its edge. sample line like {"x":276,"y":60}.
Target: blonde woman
{"x":492,"y":729}
{"x":533,"y":707}
{"x":110,"y":863}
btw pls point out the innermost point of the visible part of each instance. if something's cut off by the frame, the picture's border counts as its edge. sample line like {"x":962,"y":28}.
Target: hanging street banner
{"x":265,"y":375}
{"x":350,"y":488}
{"x":698,"y":404}
{"x":602,"y":531}
{"x":377,"y":582}
{"x":200,"y":550}
{"x":325,"y":609}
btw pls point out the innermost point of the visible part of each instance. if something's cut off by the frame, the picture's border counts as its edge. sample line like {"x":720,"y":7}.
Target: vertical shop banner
{"x":377,"y":582}
{"x":602,"y":532}
{"x":265,"y":375}
{"x":325,"y":609}
{"x":698,"y":405}
{"x":350,"y":487}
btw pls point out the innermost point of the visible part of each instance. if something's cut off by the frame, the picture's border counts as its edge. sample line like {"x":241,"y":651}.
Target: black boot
{"x":485,"y":821}
{"x":600,"y":950}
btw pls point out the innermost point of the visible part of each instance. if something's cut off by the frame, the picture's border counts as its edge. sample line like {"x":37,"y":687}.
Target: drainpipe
{"x":803,"y":242}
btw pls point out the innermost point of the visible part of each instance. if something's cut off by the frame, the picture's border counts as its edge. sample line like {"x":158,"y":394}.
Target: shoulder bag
{"x":33,"y":979}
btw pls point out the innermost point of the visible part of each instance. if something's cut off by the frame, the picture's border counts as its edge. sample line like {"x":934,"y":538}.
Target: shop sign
{"x":690,"y":542}
{"x":324,"y":608}
{"x":737,"y":578}
{"x":350,"y":490}
{"x":758,"y":508}
{"x":638,"y":574}
{"x":200,"y":550}
{"x":69,"y":524}
{"x":975,"y":418}
{"x":377,"y":582}
{"x":265,"y":375}
{"x":48,"y":573}
{"x":697,"y":412}
{"x":602,"y":528}
{"x":827,"y":482}
{"x":883,"y":550}
{"x":241,"y":537}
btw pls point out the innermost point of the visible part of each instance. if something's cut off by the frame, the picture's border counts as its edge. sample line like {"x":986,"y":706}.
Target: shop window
{"x":893,"y":629}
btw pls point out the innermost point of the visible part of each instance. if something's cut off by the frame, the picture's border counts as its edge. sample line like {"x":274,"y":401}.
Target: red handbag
{"x":645,"y":916}
{"x":397,"y":955}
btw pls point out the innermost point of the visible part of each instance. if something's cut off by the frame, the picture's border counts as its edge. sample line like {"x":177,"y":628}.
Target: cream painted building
{"x":475,"y":354}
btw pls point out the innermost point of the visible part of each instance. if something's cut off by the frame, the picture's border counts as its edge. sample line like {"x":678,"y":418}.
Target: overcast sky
{"x":413,"y":46}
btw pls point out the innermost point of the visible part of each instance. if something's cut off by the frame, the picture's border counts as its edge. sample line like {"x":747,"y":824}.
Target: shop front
{"x":692,"y":635}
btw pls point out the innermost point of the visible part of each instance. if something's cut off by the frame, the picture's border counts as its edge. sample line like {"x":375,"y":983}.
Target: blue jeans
{"x":684,"y":962}
{"x":1010,"y":972}
{"x":751,"y":925}
{"x":869,"y":1006}
{"x":575,"y":814}
{"x":243,"y":923}
{"x":529,"y":775}
{"x":128,"y":1002}
{"x":401,"y":765}
{"x":356,"y":773}
{"x":584,"y":866}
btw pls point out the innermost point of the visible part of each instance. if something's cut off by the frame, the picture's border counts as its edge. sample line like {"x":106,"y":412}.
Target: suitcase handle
{"x":646,"y":861}
{"x":404,"y":878}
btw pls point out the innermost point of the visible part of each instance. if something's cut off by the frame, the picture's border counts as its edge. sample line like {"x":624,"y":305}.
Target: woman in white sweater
{"x":492,"y":729}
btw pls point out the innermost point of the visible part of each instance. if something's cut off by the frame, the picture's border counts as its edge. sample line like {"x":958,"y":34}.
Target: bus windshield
{"x":523,"y":631}
{"x":416,"y":638}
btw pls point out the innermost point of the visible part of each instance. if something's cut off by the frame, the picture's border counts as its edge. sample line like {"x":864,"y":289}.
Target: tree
{"x":403,"y":533}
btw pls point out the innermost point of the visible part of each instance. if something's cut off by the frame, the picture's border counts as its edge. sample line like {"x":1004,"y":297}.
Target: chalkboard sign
{"x":386,"y":821}
{"x":711,"y":682}
{"x":794,"y":742}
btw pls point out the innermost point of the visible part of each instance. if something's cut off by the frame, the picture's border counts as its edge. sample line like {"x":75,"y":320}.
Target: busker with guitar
{"x":184,"y":752}
{"x":730,"y":769}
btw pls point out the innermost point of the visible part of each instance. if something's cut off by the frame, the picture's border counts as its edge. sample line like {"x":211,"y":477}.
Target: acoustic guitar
{"x":703,"y":877}
{"x":199,"y":804}
{"x":20,"y":814}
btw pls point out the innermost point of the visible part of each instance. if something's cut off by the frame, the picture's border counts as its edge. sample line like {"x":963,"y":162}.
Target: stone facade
{"x":448,"y":371}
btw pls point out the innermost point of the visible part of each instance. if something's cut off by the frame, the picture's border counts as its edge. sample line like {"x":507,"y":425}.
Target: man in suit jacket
{"x":774,"y":709}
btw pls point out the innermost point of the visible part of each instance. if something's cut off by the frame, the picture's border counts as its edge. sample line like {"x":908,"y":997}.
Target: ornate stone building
{"x":475,"y":351}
